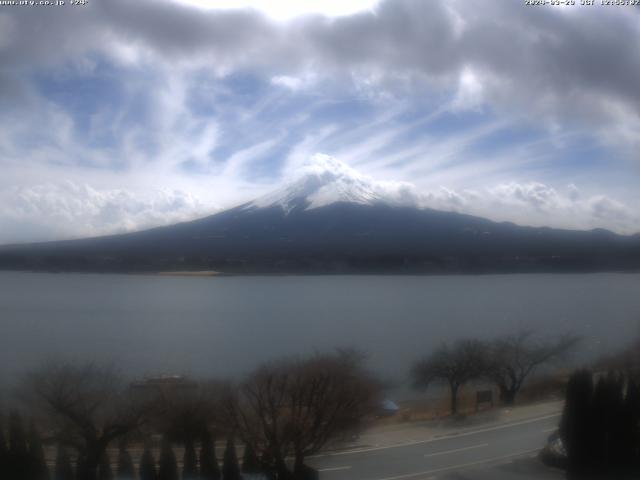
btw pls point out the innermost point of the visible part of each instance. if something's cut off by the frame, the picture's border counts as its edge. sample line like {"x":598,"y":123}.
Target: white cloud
{"x":573,"y":192}
{"x":538,"y":204}
{"x":296,"y":83}
{"x":533,"y":194}
{"x":287,"y":9}
{"x":68,"y":210}
{"x":470,"y":93}
{"x":324,"y":179}
{"x":606,"y":209}
{"x":540,"y":64}
{"x":6,"y":30}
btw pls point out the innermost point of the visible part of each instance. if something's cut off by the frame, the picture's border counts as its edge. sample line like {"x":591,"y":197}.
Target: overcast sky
{"x":122,"y":114}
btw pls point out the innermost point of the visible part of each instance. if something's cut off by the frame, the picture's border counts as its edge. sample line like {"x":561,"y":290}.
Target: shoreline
{"x":217,"y":273}
{"x":187,"y":273}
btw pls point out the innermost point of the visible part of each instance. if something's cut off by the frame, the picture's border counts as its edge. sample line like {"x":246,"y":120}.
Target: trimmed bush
{"x":250,"y":461}
{"x":63,"y":469}
{"x":148,"y":465}
{"x":230,"y":467}
{"x":105,"y":472}
{"x":126,"y":470}
{"x":209,"y":469}
{"x":4,"y":453}
{"x":37,"y":464}
{"x":168,"y":465}
{"x":189,"y":462}
{"x":18,"y":455}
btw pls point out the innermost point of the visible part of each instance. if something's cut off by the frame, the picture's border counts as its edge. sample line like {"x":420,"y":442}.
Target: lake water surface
{"x":225,"y":326}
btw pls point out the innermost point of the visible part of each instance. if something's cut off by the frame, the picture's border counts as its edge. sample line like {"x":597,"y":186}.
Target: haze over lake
{"x":225,"y":326}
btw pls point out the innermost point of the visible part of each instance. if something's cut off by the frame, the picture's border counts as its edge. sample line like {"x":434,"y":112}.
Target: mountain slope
{"x":340,"y":237}
{"x":334,"y":220}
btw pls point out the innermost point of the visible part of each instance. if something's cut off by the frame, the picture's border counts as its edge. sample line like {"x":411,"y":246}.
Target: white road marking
{"x":548,"y":430}
{"x":334,"y":469}
{"x":437,"y":439}
{"x":456,"y":450}
{"x":462,"y":465}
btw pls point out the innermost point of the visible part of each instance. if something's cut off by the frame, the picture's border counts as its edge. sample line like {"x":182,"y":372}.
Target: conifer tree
{"x":168,"y":465}
{"x":575,"y":425}
{"x":18,"y":458}
{"x":624,"y":427}
{"x":82,"y":469}
{"x":63,"y":469}
{"x":4,"y":453}
{"x":599,"y":423}
{"x":631,"y":429}
{"x":105,"y":472}
{"x":607,"y":419}
{"x":209,"y":469}
{"x":266,"y":463}
{"x":37,"y":463}
{"x":189,"y":462}
{"x":126,"y":470}
{"x":250,"y":461}
{"x":148,"y":465}
{"x":616,"y":420}
{"x":230,"y":468}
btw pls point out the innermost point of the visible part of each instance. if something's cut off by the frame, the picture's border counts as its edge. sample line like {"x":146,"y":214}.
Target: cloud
{"x":540,"y":63}
{"x":547,"y":66}
{"x":573,"y":192}
{"x":287,"y":9}
{"x":607,"y":209}
{"x":325,"y":179}
{"x":538,"y":204}
{"x":341,"y":178}
{"x":68,"y":210}
{"x":469,"y":95}
{"x":533,"y":194}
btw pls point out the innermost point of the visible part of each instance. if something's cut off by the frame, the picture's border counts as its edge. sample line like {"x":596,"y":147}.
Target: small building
{"x":163,"y":386}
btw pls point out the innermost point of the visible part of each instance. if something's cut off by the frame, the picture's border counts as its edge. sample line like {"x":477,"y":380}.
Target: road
{"x":480,"y":452}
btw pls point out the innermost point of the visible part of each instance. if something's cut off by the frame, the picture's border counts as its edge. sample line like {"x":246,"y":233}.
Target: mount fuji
{"x":332,"y":219}
{"x":326,"y":180}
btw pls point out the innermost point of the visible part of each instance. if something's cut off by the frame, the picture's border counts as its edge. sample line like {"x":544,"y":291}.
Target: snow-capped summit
{"x":326,"y":180}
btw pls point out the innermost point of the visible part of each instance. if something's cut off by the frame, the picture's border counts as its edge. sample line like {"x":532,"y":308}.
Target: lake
{"x":225,"y":326}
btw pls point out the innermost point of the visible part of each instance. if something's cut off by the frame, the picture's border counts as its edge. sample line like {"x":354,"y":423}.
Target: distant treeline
{"x":320,"y":264}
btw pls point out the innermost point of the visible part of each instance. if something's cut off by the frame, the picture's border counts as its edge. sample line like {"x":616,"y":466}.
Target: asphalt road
{"x":484,"y":452}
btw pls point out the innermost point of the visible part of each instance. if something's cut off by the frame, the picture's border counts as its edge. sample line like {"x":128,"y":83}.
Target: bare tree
{"x":625,"y":360}
{"x":88,"y":406}
{"x":454,"y":365}
{"x":183,"y":414}
{"x":513,"y":358}
{"x":297,"y":407}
